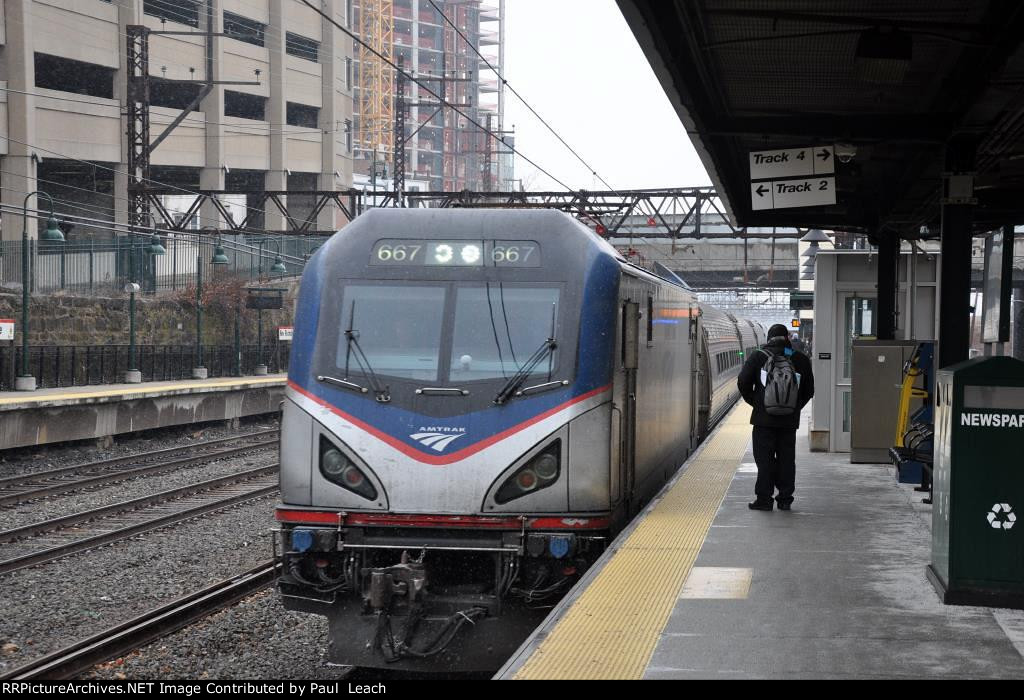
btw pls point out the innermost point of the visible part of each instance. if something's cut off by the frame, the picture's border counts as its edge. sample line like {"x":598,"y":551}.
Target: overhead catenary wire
{"x":412,"y":78}
{"x":257,"y":129}
{"x":356,"y":39}
{"x":518,"y":96}
{"x":176,"y":188}
{"x":114,"y":170}
{"x":79,"y":31}
{"x":106,"y":224}
{"x":199,"y":238}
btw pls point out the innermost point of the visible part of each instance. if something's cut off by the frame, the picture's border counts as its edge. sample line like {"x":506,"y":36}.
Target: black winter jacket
{"x":752,"y":390}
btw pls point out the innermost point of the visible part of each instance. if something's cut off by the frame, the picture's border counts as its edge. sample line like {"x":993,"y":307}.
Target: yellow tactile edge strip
{"x":612,"y":629}
{"x":197,"y":385}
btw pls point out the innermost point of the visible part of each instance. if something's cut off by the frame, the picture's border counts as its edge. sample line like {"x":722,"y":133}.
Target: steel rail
{"x":116,"y":641}
{"x":67,"y":486}
{"x":60,"y":551}
{"x":133,"y":504}
{"x":114,"y":461}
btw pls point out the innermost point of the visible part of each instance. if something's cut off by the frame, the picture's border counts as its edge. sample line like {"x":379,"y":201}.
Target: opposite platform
{"x":87,"y":412}
{"x":834,"y":588}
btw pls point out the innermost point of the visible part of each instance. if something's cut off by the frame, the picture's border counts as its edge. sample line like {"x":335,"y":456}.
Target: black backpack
{"x":780,"y":385}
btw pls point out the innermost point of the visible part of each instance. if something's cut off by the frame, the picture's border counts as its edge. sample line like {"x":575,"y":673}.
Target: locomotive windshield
{"x":398,"y":327}
{"x":498,"y":328}
{"x":447,"y":332}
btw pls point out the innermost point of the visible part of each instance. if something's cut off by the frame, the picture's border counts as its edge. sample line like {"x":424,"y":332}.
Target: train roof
{"x":562,"y":238}
{"x":474,"y":223}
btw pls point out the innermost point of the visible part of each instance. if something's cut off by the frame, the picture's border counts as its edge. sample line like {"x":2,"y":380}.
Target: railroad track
{"x":60,"y":537}
{"x":126,"y":637}
{"x":29,"y":487}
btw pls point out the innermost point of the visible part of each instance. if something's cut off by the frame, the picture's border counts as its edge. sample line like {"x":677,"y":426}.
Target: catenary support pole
{"x":888,"y":267}
{"x":957,"y":219}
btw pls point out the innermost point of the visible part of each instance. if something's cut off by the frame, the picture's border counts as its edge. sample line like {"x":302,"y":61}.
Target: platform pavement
{"x":102,"y":411}
{"x":837,"y":589}
{"x":14,"y":400}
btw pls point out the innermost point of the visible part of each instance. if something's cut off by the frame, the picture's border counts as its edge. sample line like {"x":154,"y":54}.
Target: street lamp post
{"x":199,"y":371}
{"x":261,"y":367}
{"x":277,"y":268}
{"x":132,"y":375}
{"x":26,"y":381}
{"x":219,"y":258}
{"x":238,"y":339}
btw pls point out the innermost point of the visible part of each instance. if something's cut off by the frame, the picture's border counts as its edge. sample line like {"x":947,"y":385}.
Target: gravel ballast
{"x":29,"y":461}
{"x":52,"y":605}
{"x":16,"y":515}
{"x":256,"y":639}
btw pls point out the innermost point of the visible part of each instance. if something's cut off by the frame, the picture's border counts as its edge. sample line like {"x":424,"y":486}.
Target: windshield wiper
{"x":381,"y":392}
{"x":538,"y":388}
{"x":546,"y":350}
{"x":342,"y":383}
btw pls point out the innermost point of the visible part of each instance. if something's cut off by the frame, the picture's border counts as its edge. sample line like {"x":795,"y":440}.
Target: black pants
{"x":775,"y":454}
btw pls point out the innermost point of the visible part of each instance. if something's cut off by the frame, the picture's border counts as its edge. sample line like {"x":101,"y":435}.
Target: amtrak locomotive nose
{"x":477,"y":401}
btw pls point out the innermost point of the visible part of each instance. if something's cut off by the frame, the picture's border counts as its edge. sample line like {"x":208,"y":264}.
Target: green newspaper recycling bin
{"x":978,"y":498}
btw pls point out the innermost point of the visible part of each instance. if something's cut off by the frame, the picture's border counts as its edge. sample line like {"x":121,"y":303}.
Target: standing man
{"x":778,"y":382}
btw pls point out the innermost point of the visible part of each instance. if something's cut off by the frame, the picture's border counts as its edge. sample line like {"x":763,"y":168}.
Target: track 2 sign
{"x":784,"y":194}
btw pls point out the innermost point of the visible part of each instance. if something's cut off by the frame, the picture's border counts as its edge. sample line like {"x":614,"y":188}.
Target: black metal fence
{"x":106,"y":266}
{"x":83,"y":365}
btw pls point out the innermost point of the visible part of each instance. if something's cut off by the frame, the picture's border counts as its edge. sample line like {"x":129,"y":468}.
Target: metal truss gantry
{"x":257,"y":203}
{"x":686,"y":212}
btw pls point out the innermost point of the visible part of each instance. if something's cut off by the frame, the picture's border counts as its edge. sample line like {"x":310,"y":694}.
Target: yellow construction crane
{"x":376,"y":78}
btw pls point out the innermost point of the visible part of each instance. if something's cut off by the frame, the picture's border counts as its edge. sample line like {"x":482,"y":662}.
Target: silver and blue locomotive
{"x":477,"y":401}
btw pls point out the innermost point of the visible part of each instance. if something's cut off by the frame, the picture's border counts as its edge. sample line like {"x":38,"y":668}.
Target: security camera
{"x":845,"y":152}
{"x":132,"y":288}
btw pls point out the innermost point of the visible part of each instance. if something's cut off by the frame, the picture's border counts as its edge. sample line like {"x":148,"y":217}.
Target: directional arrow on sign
{"x":782,"y":194}
{"x":791,"y":162}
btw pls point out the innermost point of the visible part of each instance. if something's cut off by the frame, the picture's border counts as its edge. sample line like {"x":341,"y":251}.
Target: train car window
{"x":650,"y":320}
{"x":499,"y":327}
{"x":408,"y":346}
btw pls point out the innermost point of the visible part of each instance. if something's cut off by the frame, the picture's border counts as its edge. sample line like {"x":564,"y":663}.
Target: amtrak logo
{"x":438,"y":439}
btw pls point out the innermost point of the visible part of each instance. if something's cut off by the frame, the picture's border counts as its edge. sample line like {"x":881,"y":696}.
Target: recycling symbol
{"x":1002,"y":517}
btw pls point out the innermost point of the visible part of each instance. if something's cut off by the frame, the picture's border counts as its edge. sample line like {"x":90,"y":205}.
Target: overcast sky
{"x":578,"y":65}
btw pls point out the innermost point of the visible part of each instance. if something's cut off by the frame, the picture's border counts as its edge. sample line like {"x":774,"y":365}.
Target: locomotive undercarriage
{"x":429,"y":600}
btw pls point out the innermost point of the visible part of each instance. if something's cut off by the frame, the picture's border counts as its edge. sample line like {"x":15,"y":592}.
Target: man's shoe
{"x":760,"y":505}
{"x":784,"y":506}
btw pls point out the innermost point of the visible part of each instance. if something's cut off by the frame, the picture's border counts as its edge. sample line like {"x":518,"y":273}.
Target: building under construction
{"x":443,"y":146}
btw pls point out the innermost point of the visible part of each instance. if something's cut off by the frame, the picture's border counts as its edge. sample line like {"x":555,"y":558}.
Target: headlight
{"x":538,"y":473}
{"x":340,"y":470}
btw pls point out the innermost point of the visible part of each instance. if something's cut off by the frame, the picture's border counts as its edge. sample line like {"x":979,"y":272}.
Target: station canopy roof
{"x":895,"y":79}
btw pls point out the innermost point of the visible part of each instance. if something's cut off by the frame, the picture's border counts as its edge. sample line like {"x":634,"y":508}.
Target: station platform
{"x":702,"y":587}
{"x":96,"y":412}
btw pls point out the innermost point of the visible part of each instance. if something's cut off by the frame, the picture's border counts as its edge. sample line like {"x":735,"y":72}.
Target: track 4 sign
{"x":792,"y":162}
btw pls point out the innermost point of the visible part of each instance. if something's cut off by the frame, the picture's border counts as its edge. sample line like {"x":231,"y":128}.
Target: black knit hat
{"x":778,"y":330}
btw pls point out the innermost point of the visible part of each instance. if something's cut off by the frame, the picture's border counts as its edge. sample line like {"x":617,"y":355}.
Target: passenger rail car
{"x":477,"y":401}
